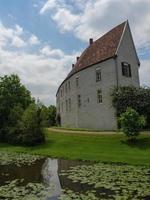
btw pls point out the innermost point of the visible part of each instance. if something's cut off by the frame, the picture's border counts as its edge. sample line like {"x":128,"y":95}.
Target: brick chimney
{"x":90,"y":41}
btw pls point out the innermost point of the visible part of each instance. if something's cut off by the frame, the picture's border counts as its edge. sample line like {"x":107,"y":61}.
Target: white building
{"x":84,"y":97}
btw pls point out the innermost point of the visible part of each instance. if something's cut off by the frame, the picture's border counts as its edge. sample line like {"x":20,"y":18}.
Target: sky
{"x":40,"y":39}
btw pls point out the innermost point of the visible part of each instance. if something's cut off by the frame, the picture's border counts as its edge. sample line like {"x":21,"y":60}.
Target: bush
{"x":48,"y":115}
{"x":58,"y":119}
{"x":136,"y":98}
{"x":14,"y":98}
{"x":131,"y":123}
{"x":52,"y":115}
{"x":31,"y":126}
{"x":20,"y":117}
{"x":13,"y":130}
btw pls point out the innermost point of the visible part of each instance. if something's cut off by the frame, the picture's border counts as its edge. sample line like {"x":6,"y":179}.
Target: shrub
{"x":52,"y":115}
{"x":58,"y":119}
{"x":31,"y":126}
{"x":136,"y":98}
{"x":12,"y":95}
{"x":13,"y":130}
{"x":131,"y":123}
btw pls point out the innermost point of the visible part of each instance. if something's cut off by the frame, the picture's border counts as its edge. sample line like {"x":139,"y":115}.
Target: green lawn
{"x":107,"y":148}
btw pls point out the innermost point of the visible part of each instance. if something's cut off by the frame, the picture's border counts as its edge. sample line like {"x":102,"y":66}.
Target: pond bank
{"x":59,"y":179}
{"x":103,"y":148}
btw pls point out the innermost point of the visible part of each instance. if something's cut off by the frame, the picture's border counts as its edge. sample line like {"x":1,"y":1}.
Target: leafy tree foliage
{"x":12,"y":94}
{"x":136,"y":98}
{"x":52,"y":115}
{"x":31,"y":126}
{"x":131,"y":123}
{"x":20,"y":117}
{"x":58,"y":119}
{"x":48,"y":115}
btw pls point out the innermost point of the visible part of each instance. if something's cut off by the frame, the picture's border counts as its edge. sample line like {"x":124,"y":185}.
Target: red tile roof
{"x":102,"y":49}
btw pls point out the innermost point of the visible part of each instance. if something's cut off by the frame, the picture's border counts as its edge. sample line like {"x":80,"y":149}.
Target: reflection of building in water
{"x":50,"y":175}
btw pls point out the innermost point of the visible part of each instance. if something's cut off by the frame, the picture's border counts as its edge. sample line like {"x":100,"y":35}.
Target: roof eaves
{"x":84,"y":69}
{"x":126,"y":22}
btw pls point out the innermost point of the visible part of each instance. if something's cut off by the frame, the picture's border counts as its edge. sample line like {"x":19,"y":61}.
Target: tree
{"x":13,"y":131}
{"x":31,"y":126}
{"x":48,"y":115}
{"x":52,"y":115}
{"x":58,"y":119}
{"x":12,"y":93}
{"x":131,"y":123}
{"x":137,"y":98}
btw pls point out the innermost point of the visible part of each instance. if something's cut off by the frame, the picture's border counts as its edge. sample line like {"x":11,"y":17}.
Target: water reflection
{"x":50,"y":175}
{"x":46,"y":171}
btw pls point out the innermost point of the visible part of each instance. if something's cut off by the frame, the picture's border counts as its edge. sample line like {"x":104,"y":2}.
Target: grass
{"x":105,"y":148}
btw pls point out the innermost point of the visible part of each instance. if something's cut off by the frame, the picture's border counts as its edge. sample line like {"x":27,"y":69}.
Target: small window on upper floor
{"x":77,"y":81}
{"x":69,"y":104}
{"x":99,"y":96}
{"x":98,"y":74}
{"x":79,"y":100}
{"x":63,"y":91}
{"x":69,"y":85}
{"x":66,"y":105}
{"x":126,"y":69}
{"x":62,"y":107}
{"x":66,"y":87}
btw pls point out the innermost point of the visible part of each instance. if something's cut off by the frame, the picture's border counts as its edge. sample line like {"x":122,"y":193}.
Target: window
{"x":66,"y":87}
{"x":77,"y":81}
{"x":62,"y":107}
{"x":58,"y":109}
{"x":99,"y":96}
{"x":69,"y":85}
{"x":69,"y":104}
{"x":66,"y":105}
{"x":79,"y":100}
{"x":126,"y":69}
{"x":98,"y":75}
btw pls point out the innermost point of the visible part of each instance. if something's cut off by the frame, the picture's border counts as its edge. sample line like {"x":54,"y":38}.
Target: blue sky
{"x":40,"y":39}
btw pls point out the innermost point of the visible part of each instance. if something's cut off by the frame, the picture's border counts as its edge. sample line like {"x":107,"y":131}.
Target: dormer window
{"x":126,"y":69}
{"x":66,"y":87}
{"x":77,"y":81}
{"x":69,"y":85}
{"x":98,"y":74}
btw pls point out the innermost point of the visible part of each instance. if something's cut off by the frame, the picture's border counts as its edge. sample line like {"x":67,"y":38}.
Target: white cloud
{"x":42,"y":71}
{"x":41,"y":74}
{"x":33,"y":40}
{"x":145,"y":72}
{"x":55,"y":53}
{"x":17,"y":42}
{"x":11,"y":36}
{"x":19,"y":30}
{"x":50,"y":4}
{"x":65,"y":19}
{"x":94,"y":18}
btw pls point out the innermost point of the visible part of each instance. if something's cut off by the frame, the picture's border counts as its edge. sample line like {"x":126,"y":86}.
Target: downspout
{"x":116,"y":67}
{"x":117,"y":83}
